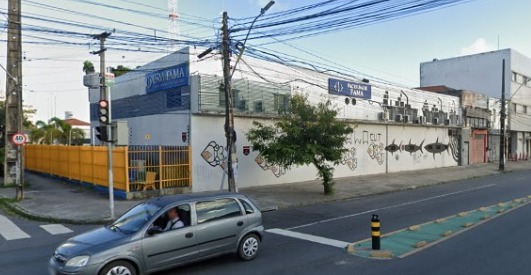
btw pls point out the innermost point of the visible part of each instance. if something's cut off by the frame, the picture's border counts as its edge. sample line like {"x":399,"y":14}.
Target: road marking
{"x":56,"y":229}
{"x":10,"y":231}
{"x":308,"y":237}
{"x":391,"y":206}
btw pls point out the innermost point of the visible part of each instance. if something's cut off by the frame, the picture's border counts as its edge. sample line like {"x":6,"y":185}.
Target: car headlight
{"x":78,"y":261}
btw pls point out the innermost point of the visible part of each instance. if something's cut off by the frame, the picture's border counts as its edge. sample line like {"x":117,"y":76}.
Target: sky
{"x":390,"y":50}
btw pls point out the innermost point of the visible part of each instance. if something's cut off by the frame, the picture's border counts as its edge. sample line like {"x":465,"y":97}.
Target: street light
{"x":242,"y":45}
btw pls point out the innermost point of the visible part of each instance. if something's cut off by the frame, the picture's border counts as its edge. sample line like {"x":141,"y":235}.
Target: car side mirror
{"x":154,"y":230}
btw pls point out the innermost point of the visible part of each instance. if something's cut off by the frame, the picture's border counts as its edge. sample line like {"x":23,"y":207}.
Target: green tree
{"x":88,"y":67}
{"x":56,"y":131}
{"x":120,"y":70}
{"x":307,"y":134}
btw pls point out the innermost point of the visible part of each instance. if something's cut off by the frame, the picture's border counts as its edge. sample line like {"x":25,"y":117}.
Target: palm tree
{"x":56,"y":131}
{"x":88,"y":67}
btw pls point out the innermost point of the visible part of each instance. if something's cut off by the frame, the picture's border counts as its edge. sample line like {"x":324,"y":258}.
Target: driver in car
{"x":174,"y":221}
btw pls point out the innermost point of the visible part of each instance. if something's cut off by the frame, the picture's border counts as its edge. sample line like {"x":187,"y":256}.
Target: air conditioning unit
{"x":384,"y":116}
{"x":407,"y":118}
{"x":398,"y":118}
{"x":435,"y":120}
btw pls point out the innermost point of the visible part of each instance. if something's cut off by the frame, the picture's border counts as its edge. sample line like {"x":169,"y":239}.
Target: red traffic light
{"x":104,"y":104}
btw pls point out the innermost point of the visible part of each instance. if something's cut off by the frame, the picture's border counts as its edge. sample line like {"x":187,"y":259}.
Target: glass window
{"x":135,"y":219}
{"x":248,"y":208}
{"x":515,"y":77}
{"x":217,"y":209}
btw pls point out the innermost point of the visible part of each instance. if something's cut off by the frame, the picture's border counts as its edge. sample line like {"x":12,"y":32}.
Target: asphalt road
{"x":500,"y":246}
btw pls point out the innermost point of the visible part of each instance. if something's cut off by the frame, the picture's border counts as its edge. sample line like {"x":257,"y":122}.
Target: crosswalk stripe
{"x":56,"y":229}
{"x":10,"y":231}
{"x":308,"y":237}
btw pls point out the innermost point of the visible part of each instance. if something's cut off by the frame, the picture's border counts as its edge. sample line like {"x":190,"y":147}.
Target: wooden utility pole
{"x":13,"y":171}
{"x":229,"y":118}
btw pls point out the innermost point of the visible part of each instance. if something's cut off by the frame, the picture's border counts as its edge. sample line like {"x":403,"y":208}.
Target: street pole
{"x":232,"y":161}
{"x":105,"y":95}
{"x":502,"y":121}
{"x":13,"y":172}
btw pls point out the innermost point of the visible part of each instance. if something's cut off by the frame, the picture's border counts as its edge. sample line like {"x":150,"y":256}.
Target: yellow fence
{"x":169,"y":165}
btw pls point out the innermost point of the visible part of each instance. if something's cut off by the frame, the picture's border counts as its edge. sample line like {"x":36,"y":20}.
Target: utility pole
{"x":229,"y":116}
{"x":13,"y":169}
{"x":105,"y":95}
{"x":502,"y":121}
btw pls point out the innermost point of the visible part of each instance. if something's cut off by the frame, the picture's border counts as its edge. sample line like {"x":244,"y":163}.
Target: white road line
{"x":391,"y":206}
{"x":308,"y":237}
{"x":10,"y":231}
{"x":56,"y":229}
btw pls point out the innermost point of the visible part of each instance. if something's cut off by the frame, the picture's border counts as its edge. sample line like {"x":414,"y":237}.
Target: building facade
{"x":179,"y":100}
{"x":483,"y":72}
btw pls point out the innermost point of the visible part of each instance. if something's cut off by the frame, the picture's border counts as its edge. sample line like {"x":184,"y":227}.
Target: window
{"x":513,"y":107}
{"x":524,"y":110}
{"x":173,"y":98}
{"x":248,"y":208}
{"x":515,"y":77}
{"x":217,"y":209}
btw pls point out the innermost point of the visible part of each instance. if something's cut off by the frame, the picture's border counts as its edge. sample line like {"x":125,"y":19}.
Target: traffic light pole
{"x":106,"y":125}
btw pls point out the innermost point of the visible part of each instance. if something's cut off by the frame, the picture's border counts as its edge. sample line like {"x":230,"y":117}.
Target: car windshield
{"x":135,"y":219}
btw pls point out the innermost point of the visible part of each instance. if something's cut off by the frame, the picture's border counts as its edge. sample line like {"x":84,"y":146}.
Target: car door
{"x":170,"y":248}
{"x":219,"y":224}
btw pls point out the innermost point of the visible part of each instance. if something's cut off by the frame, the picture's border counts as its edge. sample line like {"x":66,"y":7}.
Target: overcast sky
{"x":391,"y":50}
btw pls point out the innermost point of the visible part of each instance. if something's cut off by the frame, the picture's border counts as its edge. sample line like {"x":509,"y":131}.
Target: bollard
{"x":375,"y":232}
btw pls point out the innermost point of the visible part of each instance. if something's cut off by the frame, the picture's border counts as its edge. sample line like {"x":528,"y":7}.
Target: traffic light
{"x":101,"y":133}
{"x":104,"y":111}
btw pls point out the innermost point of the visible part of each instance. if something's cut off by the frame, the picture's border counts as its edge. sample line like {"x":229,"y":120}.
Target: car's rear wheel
{"x":118,"y":268}
{"x":248,"y":248}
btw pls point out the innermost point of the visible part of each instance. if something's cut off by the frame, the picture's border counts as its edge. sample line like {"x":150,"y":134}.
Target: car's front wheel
{"x":248,"y":248}
{"x":118,"y":268}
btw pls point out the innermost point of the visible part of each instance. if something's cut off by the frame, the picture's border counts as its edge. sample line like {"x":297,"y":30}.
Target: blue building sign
{"x":352,"y":89}
{"x":167,"y":78}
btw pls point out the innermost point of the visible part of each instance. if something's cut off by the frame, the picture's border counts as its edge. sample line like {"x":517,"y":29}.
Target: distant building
{"x":483,"y":72}
{"x":76,"y":123}
{"x":480,"y":136}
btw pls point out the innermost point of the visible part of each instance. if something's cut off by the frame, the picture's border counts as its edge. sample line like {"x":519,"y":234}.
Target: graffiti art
{"x":436,"y":147}
{"x":276,"y":169}
{"x":213,"y":154}
{"x":412,"y":148}
{"x":393,"y":147}
{"x":454,"y":148}
{"x":350,"y":159}
{"x":375,"y":151}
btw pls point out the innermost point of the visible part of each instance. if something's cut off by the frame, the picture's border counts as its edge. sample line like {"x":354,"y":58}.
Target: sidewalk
{"x":64,"y":202}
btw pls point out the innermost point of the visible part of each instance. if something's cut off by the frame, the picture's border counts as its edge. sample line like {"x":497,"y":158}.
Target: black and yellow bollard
{"x":375,"y":230}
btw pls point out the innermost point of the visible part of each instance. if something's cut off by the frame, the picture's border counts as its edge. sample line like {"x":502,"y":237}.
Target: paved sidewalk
{"x":69,"y":203}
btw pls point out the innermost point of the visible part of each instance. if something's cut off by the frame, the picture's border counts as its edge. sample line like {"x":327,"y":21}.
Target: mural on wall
{"x":393,"y":147}
{"x":350,"y":159}
{"x":454,"y":148}
{"x":375,"y":148}
{"x":412,"y":148}
{"x":436,"y":147}
{"x":276,"y":169}
{"x":214,"y":154}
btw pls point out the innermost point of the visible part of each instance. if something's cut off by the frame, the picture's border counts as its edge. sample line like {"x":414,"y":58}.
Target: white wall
{"x":161,"y":129}
{"x":480,"y":73}
{"x":367,"y":153}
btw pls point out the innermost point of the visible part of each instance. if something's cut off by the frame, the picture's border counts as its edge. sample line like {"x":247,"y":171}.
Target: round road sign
{"x":18,"y":139}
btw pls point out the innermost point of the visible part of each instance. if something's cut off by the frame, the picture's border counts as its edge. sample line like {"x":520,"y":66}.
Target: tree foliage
{"x":120,"y":70}
{"x":88,"y":67}
{"x":307,"y":134}
{"x":56,"y":131}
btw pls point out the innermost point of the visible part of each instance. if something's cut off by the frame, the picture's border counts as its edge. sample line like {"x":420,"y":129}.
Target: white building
{"x":483,"y":73}
{"x":179,"y":100}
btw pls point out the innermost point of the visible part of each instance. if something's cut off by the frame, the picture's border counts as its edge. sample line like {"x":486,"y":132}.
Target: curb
{"x":19,"y":211}
{"x":277,"y":207}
